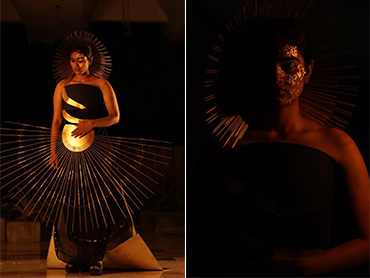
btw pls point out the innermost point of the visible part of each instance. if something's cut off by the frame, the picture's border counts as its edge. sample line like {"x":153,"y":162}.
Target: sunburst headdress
{"x":102,"y":62}
{"x":328,"y":96}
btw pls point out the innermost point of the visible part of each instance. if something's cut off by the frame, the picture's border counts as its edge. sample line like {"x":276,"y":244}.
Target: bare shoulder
{"x":330,"y":140}
{"x":338,"y":137}
{"x":342,"y":146}
{"x":62,"y":83}
{"x":100,"y":82}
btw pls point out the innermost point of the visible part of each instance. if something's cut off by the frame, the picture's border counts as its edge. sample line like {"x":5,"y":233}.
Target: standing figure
{"x":98,"y":177}
{"x":78,"y":248}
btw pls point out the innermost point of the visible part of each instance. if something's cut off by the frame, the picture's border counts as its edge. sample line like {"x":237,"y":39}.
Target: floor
{"x":29,"y":259}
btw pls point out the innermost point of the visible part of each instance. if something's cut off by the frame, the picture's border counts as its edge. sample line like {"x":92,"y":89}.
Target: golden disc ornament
{"x":76,"y":144}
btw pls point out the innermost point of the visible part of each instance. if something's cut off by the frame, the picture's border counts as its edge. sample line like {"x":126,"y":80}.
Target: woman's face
{"x":79,"y":63}
{"x":290,"y":73}
{"x":281,"y":81}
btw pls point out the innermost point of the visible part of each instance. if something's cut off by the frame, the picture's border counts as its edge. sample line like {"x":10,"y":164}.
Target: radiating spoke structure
{"x":328,"y":97}
{"x":87,"y":186}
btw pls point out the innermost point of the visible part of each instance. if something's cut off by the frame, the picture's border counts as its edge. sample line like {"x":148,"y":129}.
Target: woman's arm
{"x":355,"y":251}
{"x":110,"y":100}
{"x":57,"y":121}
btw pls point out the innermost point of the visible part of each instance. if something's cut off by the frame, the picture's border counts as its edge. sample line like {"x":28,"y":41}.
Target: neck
{"x":284,"y":120}
{"x":81,"y":77}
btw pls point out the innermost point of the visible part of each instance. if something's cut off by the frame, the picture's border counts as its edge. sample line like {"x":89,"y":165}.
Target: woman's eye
{"x":290,"y":66}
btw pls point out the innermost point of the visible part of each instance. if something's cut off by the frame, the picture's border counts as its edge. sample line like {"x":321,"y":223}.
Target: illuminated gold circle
{"x":76,"y":144}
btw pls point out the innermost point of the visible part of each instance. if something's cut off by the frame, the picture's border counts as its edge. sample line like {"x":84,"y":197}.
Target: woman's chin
{"x":278,"y":101}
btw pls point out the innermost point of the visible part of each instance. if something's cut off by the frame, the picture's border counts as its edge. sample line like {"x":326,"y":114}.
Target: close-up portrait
{"x":277,"y":139}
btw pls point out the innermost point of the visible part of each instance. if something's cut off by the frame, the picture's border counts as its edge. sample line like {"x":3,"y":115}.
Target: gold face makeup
{"x":81,"y":60}
{"x":79,"y":63}
{"x":290,"y":50}
{"x":290,"y":72}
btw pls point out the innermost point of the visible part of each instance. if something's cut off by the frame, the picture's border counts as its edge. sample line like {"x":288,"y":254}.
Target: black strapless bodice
{"x":89,"y":96}
{"x":256,"y":199}
{"x":274,"y":196}
{"x":280,"y":194}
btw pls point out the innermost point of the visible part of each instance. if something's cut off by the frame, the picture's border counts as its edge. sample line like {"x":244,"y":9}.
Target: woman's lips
{"x":281,"y":92}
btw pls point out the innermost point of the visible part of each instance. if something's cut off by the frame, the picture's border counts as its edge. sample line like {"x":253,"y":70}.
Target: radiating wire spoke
{"x":113,"y":175}
{"x":132,"y":167}
{"x":20,"y":147}
{"x":120,"y":144}
{"x":25,"y":174}
{"x":21,"y":157}
{"x":120,"y":151}
{"x":124,"y":177}
{"x":28,"y":156}
{"x":113,"y":183}
{"x":111,"y":168}
{"x":44,"y":132}
{"x":29,"y":125}
{"x":88,"y":195}
{"x":94,"y":187}
{"x":51,"y":184}
{"x":94,"y":174}
{"x":59,"y":176}
{"x":60,"y":188}
{"x":107,"y":187}
{"x":46,"y":188}
{"x":132,"y":140}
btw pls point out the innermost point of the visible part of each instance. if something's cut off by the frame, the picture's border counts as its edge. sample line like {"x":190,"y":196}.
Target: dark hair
{"x":81,"y":47}
{"x":254,"y":45}
{"x":274,"y":33}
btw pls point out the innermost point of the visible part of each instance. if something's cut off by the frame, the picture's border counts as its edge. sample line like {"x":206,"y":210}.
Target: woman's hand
{"x":83,"y":127}
{"x":289,"y":260}
{"x":294,"y":253}
{"x":283,"y":262}
{"x":54,"y":161}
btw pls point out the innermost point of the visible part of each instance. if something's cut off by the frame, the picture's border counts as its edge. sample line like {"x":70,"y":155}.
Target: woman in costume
{"x":96,"y":182}
{"x":99,"y":178}
{"x":293,"y":195}
{"x":80,"y":248}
